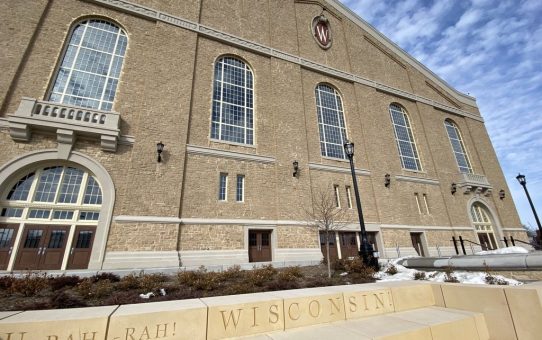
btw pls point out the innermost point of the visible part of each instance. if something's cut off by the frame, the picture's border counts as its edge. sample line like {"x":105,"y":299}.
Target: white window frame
{"x":337,"y":196}
{"x":240,"y":191}
{"x":464,"y":153}
{"x":338,"y":108}
{"x":411,"y":141}
{"x":349,"y":197}
{"x":223,"y":187}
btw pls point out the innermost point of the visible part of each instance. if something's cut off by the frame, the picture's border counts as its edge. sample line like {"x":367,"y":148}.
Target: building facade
{"x":252,"y":101}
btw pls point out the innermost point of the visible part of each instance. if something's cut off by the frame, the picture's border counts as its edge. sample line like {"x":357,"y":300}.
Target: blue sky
{"x":491,"y":50}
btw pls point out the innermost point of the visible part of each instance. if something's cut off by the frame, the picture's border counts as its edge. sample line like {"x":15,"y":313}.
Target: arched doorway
{"x":48,"y":218}
{"x":483,"y":225}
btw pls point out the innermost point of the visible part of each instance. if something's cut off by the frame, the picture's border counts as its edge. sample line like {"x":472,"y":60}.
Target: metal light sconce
{"x":159,"y":149}
{"x":502,"y":194}
{"x":387,"y":180}
{"x":453,"y":188}
{"x":296,"y":168}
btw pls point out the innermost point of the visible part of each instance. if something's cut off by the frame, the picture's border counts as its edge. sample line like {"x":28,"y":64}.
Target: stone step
{"x":429,"y":323}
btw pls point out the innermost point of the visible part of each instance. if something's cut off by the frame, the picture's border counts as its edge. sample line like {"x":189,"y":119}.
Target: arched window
{"x":54,"y":193}
{"x":458,"y":147}
{"x":233,"y":98}
{"x":483,"y":226}
{"x":405,"y":139}
{"x":89,"y":73}
{"x":330,"y":121}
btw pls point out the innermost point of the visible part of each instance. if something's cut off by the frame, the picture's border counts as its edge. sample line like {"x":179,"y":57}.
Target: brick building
{"x":237,"y":91}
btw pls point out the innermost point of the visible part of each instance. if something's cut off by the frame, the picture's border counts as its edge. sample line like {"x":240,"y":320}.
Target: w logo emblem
{"x":321,"y":31}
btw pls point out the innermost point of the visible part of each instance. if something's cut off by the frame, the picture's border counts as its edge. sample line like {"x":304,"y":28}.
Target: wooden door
{"x":52,"y":253}
{"x":8,"y":232}
{"x":349,"y":245}
{"x":42,"y":247}
{"x":259,"y":245}
{"x":332,"y":246}
{"x":417,"y":243}
{"x":81,"y":247}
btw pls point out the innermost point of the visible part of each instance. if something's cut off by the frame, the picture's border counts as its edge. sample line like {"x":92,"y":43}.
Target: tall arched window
{"x":458,"y":147}
{"x":405,"y":139}
{"x":233,"y":98}
{"x":483,"y":226}
{"x":330,"y":121}
{"x":89,"y":73}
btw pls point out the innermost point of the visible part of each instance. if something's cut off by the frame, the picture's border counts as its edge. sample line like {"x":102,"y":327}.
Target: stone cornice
{"x":417,"y":180}
{"x":151,"y":14}
{"x":200,"y":150}
{"x":340,"y":169}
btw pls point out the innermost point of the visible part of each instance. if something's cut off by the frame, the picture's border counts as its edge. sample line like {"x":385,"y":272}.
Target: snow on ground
{"x":404,"y":273}
{"x":508,"y":250}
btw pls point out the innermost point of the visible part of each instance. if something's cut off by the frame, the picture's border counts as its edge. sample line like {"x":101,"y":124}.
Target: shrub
{"x":123,"y":298}
{"x":419,"y":276}
{"x":320,"y":281}
{"x":128,"y":282}
{"x":200,"y":279}
{"x":259,"y":276}
{"x":6,"y":282}
{"x":290,"y":274}
{"x":102,"y":288}
{"x":60,"y":282}
{"x":29,"y":285}
{"x":84,"y":288}
{"x":151,"y":282}
{"x":105,"y":276}
{"x":63,"y":299}
{"x":391,"y":269}
{"x":492,"y":280}
{"x":449,"y":275}
{"x":233,"y":272}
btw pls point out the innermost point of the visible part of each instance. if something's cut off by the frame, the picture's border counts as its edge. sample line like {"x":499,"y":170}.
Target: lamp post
{"x":521,"y":179}
{"x":366,"y":251}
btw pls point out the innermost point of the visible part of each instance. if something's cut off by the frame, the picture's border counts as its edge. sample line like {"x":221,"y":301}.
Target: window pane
{"x":90,"y":66}
{"x":458,"y":147}
{"x":33,"y":238}
{"x":11,"y":212}
{"x":89,"y":215}
{"x":232,"y":108}
{"x":71,"y":184}
{"x":57,"y":239}
{"x":93,"y":193}
{"x":39,"y":213}
{"x":330,"y":121}
{"x":6,"y":234}
{"x":222,"y":188}
{"x":404,"y":138}
{"x":83,"y":239}
{"x":48,"y":183}
{"x":240,"y":188}
{"x":20,"y":191}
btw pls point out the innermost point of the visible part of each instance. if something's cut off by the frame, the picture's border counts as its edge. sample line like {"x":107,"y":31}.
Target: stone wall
{"x":211,"y":237}
{"x":143,"y":237}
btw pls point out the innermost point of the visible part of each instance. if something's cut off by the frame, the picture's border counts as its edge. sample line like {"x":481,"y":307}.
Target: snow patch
{"x":508,"y":250}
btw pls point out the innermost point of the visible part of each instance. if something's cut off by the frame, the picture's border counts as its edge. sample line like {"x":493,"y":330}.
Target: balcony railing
{"x":67,"y":120}
{"x":475,"y":183}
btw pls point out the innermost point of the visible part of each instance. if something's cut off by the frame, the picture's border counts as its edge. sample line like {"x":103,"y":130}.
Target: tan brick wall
{"x":211,"y":237}
{"x":143,"y":237}
{"x":160,"y":98}
{"x":297,"y":237}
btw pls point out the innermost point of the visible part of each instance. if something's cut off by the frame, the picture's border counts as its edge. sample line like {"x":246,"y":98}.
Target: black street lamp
{"x":366,"y":251}
{"x":521,"y":179}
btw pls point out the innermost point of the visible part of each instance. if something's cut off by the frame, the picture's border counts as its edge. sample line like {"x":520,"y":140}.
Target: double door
{"x":487,"y":241}
{"x":8,"y":233}
{"x":349,"y":244}
{"x":259,"y":245}
{"x":44,"y":248}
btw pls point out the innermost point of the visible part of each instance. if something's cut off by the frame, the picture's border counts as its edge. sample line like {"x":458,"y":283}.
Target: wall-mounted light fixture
{"x":159,"y":149}
{"x":387,"y":180}
{"x":296,"y":168}
{"x":502,"y":194}
{"x":453,"y":188}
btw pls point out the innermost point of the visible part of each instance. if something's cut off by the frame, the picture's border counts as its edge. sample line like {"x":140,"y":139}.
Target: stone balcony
{"x":474,"y":183}
{"x":66,"y":120}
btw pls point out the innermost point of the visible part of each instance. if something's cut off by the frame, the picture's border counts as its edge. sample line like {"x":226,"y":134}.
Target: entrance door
{"x":332,"y":245}
{"x":259,"y":245}
{"x":42,"y":247}
{"x":349,"y":245}
{"x":7,"y":237}
{"x":417,"y":243}
{"x":487,"y":241}
{"x":81,"y":247}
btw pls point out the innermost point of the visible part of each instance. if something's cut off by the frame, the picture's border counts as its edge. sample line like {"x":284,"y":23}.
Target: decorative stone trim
{"x":418,"y":228}
{"x":417,"y":180}
{"x":140,"y":259}
{"x":340,"y":169}
{"x":199,"y":150}
{"x":66,"y":120}
{"x":150,"y":14}
{"x":475,"y":183}
{"x":4,"y":125}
